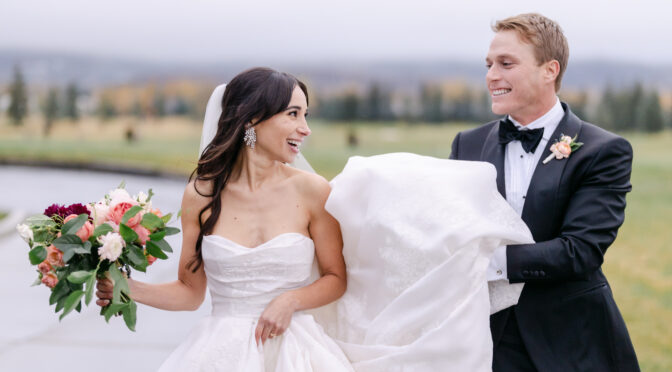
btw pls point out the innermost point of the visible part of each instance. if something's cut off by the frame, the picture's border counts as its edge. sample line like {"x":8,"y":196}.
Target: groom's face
{"x":514,"y":78}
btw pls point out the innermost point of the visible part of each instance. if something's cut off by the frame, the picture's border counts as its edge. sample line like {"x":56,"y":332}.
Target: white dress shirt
{"x":518,"y":169}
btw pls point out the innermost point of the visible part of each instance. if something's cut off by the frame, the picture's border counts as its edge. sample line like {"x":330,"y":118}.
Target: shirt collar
{"x":550,"y":118}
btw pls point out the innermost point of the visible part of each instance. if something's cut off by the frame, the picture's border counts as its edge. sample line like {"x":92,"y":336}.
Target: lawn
{"x":638,"y":265}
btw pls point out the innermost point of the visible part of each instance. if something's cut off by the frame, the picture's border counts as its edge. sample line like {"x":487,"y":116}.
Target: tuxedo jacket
{"x":566,"y":313}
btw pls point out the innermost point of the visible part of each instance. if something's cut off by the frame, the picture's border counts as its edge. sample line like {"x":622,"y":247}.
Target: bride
{"x":265,"y":238}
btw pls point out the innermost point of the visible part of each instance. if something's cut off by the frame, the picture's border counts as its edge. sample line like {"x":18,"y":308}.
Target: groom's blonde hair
{"x":544,"y":34}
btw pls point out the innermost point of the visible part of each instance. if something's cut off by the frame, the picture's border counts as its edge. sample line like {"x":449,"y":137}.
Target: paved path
{"x":31,"y":337}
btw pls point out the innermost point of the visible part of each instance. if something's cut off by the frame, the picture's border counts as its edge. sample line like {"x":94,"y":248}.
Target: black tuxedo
{"x":566,"y":315}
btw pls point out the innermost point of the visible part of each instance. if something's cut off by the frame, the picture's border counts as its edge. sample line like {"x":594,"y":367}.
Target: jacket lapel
{"x":493,"y":152}
{"x":546,"y":177}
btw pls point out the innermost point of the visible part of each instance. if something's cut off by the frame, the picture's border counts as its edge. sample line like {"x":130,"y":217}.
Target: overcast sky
{"x":312,"y":30}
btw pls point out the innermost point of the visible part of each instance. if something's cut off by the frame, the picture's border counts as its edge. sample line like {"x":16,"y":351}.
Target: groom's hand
{"x":104,"y":291}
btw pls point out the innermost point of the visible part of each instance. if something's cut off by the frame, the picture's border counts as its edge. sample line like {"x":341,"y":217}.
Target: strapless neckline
{"x":214,"y":236}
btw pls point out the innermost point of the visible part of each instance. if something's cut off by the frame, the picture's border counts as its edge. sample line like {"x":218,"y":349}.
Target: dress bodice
{"x":242,"y":280}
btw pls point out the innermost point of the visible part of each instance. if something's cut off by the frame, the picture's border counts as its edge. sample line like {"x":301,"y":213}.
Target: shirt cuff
{"x":497,"y":267}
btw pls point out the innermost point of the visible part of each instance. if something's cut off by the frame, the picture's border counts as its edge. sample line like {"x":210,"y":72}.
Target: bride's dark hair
{"x":253,"y":95}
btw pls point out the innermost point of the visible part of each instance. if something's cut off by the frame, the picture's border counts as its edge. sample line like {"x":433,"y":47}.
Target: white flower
{"x":25,"y":231}
{"x":98,"y":212}
{"x":112,"y":246}
{"x":141,"y":197}
{"x":120,"y":196}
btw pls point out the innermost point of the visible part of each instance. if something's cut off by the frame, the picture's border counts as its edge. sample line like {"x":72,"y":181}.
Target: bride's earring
{"x":250,"y":137}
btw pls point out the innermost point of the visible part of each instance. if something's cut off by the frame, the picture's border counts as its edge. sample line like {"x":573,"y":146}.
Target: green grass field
{"x":638,"y":265}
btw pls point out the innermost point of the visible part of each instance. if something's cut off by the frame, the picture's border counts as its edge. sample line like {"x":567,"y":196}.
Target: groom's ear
{"x":551,"y":71}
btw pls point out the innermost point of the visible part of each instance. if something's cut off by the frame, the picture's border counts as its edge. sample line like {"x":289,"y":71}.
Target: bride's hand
{"x":276,"y":317}
{"x":104,"y":291}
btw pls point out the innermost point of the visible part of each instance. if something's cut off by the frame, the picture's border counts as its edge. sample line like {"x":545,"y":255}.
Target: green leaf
{"x":164,"y":245}
{"x":130,"y":213}
{"x":79,"y":277}
{"x":90,"y":285}
{"x":112,"y":309}
{"x":151,"y":221}
{"x":160,"y":234}
{"x":59,"y":291}
{"x":102,"y":230}
{"x":122,"y":185}
{"x":68,"y":242}
{"x":37,"y":281}
{"x":69,"y":245}
{"x":150,"y":193}
{"x":130,"y":315}
{"x":136,"y":256}
{"x":120,"y":284}
{"x":127,"y":234}
{"x":172,"y":230}
{"x":60,"y":304}
{"x":71,"y":303}
{"x":39,"y":220}
{"x":37,"y":255}
{"x":154,"y":250}
{"x":166,"y":218}
{"x":41,"y":235}
{"x":72,"y":226}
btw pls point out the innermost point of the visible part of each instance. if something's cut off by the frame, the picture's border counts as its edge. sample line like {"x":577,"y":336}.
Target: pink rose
{"x":85,"y":231}
{"x":143,"y":233}
{"x":44,"y":267}
{"x":50,"y":280}
{"x":117,"y":212}
{"x":54,"y":256}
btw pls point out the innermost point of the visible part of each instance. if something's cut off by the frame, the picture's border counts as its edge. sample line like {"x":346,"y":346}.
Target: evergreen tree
{"x":431,"y":100}
{"x":606,"y":109}
{"x":374,"y":109}
{"x":106,"y":109}
{"x":652,"y":116}
{"x":50,"y":110}
{"x":70,"y":110}
{"x":159,"y":104}
{"x":350,"y":107}
{"x":18,"y":106}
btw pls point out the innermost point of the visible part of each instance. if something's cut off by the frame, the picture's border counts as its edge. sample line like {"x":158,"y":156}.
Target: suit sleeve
{"x":594,"y":213}
{"x":454,"y":147}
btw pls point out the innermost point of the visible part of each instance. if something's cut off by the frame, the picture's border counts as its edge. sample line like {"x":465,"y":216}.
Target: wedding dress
{"x":418,"y":233}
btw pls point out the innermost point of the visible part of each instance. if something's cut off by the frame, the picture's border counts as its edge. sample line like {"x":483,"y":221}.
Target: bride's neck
{"x":254,"y":169}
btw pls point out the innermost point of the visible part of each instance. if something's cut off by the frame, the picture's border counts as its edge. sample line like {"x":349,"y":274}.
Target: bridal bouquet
{"x":73,"y":245}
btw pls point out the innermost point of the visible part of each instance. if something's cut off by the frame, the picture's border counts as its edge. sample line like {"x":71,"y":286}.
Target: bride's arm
{"x":326,"y":233}
{"x":188,"y":291}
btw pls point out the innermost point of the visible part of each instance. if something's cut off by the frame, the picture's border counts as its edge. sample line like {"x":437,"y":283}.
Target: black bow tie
{"x":528,"y":138}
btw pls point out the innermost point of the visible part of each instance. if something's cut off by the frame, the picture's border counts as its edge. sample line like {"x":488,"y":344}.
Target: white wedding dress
{"x":418,"y":234}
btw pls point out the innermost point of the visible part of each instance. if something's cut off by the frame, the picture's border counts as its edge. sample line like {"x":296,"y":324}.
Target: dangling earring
{"x":250,"y":137}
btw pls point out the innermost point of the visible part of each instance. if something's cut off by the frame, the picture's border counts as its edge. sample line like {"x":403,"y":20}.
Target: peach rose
{"x":564,"y":148}
{"x":85,"y":231}
{"x":143,"y":233}
{"x":157,"y":212}
{"x":44,"y":267}
{"x":150,"y":259}
{"x":116,"y":213}
{"x":50,"y":280}
{"x":54,"y":256}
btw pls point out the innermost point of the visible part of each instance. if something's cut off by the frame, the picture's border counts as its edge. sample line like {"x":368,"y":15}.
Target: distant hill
{"x":90,"y":72}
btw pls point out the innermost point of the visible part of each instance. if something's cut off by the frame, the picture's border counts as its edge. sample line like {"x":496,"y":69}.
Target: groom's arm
{"x":454,"y":147}
{"x":594,"y":213}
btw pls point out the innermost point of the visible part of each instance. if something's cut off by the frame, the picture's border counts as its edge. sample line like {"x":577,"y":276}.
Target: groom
{"x":573,"y":202}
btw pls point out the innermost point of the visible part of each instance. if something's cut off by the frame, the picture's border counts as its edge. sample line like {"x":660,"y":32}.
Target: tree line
{"x":633,"y":108}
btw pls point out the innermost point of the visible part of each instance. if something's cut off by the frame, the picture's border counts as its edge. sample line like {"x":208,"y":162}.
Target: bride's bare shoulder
{"x":313,"y":186}
{"x":198,"y":192}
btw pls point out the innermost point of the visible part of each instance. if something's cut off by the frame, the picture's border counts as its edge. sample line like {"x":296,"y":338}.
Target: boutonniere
{"x":563,"y":147}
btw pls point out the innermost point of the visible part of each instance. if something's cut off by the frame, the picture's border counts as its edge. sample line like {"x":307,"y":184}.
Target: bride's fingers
{"x":105,"y":285}
{"x":102,"y":303}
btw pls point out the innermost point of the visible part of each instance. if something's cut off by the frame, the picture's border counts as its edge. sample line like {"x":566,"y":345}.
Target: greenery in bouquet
{"x":74,"y":245}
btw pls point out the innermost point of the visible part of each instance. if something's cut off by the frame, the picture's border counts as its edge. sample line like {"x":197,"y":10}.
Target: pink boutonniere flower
{"x":563,"y":147}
